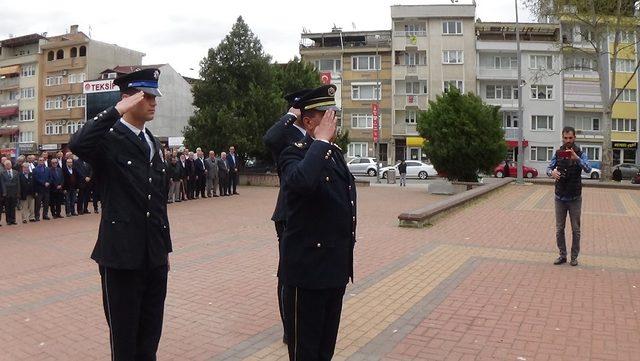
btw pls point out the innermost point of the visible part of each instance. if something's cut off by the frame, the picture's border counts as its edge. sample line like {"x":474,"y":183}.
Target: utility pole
{"x":378,"y":64}
{"x":520,"y":178}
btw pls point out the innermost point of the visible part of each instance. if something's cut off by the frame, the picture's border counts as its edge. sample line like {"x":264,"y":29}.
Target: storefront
{"x":625,"y":152}
{"x":414,"y":149}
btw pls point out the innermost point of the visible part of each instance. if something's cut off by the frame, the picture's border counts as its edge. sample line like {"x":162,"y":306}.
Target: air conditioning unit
{"x":64,"y":97}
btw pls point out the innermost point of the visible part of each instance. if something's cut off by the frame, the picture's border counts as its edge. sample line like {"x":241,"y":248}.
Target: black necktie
{"x":144,"y":142}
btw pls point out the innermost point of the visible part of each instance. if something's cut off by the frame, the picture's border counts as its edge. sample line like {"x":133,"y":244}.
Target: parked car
{"x":636,"y":179}
{"x":415,"y":169}
{"x":528,"y":172}
{"x":628,"y":170}
{"x":363,"y":165}
{"x":594,"y":174}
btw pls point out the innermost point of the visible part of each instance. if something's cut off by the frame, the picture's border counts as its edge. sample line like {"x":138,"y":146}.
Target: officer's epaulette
{"x":337,"y":146}
{"x":300,"y":144}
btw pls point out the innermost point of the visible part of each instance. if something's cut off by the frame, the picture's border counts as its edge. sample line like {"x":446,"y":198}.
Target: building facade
{"x":20,"y":94}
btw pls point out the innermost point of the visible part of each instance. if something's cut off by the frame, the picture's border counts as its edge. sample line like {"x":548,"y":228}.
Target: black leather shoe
{"x":574,"y":262}
{"x":284,"y":340}
{"x":560,"y":260}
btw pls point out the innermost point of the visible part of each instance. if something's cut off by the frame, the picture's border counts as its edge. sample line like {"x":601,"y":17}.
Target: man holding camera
{"x":566,"y":168}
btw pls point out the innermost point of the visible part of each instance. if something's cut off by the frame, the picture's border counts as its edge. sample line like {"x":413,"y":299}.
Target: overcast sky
{"x":180,"y":32}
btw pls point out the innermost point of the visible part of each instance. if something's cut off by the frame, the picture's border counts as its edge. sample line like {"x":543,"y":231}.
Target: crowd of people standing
{"x":41,"y":187}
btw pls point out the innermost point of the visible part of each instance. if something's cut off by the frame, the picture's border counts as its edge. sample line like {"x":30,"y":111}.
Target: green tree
{"x":342,"y":140}
{"x":295,"y":75}
{"x":463,"y":135}
{"x":237,"y":97}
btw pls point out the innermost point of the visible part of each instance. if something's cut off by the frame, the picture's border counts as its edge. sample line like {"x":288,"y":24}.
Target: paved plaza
{"x":477,"y":285}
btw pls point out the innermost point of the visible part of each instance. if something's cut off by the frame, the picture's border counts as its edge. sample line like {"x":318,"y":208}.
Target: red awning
{"x":514,"y":143}
{"x":6,"y":112}
{"x":9,"y":131}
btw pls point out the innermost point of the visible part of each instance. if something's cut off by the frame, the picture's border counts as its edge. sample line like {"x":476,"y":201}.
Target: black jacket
{"x":316,"y":250}
{"x":281,"y":135}
{"x":26,"y":185}
{"x":134,"y":228}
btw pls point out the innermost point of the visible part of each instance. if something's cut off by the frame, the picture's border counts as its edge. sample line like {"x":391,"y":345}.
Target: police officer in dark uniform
{"x":282,"y":134}
{"x":133,"y":241}
{"x":316,"y":251}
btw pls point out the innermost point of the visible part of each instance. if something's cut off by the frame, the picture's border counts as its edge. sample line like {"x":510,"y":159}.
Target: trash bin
{"x":391,"y":176}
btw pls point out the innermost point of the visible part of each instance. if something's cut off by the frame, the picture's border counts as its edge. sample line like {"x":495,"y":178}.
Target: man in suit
{"x":316,"y":260}
{"x":282,"y":134}
{"x":184,"y":177}
{"x":134,"y":243}
{"x":83,"y":170}
{"x":199,"y":170}
{"x":174,"y":174}
{"x":57,"y":192}
{"x":232,"y":161}
{"x":211,"y":166}
{"x":11,"y":181}
{"x":27,"y":194}
{"x":42,"y":185}
{"x":71,"y":182}
{"x":223,"y":174}
{"x":190,"y":169}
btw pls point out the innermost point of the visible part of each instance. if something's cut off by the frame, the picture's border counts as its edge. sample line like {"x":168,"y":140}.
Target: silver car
{"x":363,"y":165}
{"x":628,"y":170}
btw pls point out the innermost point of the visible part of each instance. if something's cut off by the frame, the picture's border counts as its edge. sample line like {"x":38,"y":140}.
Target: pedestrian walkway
{"x":478,"y":285}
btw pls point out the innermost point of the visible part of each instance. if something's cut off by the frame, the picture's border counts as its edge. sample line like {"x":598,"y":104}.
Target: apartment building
{"x":433,"y":49}
{"x":67,"y":61}
{"x":359,"y":64}
{"x":20,"y":90}
{"x":542,"y":85}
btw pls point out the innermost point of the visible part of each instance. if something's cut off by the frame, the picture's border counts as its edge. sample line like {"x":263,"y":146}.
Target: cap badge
{"x":156,"y":74}
{"x":331,"y":91}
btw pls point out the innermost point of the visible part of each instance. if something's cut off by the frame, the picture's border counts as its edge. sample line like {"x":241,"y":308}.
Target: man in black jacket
{"x":316,"y":252}
{"x":27,"y":194}
{"x":133,"y":244}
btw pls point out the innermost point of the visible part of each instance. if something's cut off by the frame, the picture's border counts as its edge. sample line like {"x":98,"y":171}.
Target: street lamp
{"x":519,"y":179}
{"x":378,"y":96}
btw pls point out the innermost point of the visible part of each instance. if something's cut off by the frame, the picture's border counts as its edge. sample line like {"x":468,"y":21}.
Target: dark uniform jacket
{"x":316,"y":250}
{"x":26,"y":185}
{"x":281,"y":135}
{"x":134,"y":228}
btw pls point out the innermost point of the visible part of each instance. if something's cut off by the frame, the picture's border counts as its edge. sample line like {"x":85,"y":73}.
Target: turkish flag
{"x":325,"y":78}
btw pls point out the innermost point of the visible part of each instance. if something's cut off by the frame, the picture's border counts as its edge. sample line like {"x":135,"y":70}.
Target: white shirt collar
{"x":133,"y":128}
{"x":304,"y":132}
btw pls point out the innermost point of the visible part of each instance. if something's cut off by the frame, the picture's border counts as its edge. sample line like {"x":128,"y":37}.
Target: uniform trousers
{"x":312,"y":319}
{"x":280,"y":226}
{"x":133,"y":303}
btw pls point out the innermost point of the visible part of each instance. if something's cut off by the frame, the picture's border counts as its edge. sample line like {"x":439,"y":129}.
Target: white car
{"x":415,"y":169}
{"x":594,"y":174}
{"x":363,"y":165}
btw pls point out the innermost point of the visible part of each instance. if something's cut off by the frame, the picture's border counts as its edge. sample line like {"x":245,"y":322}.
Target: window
{"x":55,"y":127}
{"x":76,"y":78}
{"x":26,"y":137}
{"x":74,"y":52}
{"x":74,"y":126}
{"x":502,"y":92}
{"x":54,"y":80}
{"x":414,"y":58}
{"x":625,"y":36}
{"x":83,"y":51}
{"x":447,"y":84}
{"x":28,"y":70}
{"x":365,"y":62}
{"x":593,"y":153}
{"x":542,"y":92}
{"x":27,"y":93}
{"x":505,"y":62}
{"x":76,"y":101}
{"x":580,"y":64}
{"x":27,"y":115}
{"x":510,"y":120}
{"x":452,"y":27}
{"x":410,"y":116}
{"x":14,"y":95}
{"x":362,"y":121}
{"x":60,"y":54}
{"x":333,"y":65}
{"x":452,"y":57}
{"x":625,"y":65}
{"x":542,"y":122}
{"x":416,"y":87}
{"x":541,"y":154}
{"x":358,"y":150}
{"x":414,"y":29}
{"x":53,"y":103}
{"x":365,"y":91}
{"x":50,"y":56}
{"x":627,"y":95}
{"x":540,"y":62}
{"x":584,"y":122}
{"x":623,"y":125}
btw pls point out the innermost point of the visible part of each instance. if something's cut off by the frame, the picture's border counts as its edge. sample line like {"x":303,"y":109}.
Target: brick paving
{"x":478,"y":285}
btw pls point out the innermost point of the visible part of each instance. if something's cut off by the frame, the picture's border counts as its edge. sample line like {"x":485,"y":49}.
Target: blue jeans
{"x":574,"y":209}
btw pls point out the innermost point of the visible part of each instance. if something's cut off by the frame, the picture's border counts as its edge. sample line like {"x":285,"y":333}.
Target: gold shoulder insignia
{"x":299,"y":144}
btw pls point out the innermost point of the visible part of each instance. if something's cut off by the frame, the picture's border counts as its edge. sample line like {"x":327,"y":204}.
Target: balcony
{"x":510,"y":133}
{"x":403,"y":128}
{"x":403,"y":40}
{"x":9,"y":103}
{"x":65,"y":64}
{"x":63,"y":89}
{"x":65,"y":113}
{"x":9,"y":83}
{"x":401,"y":72}
{"x":589,"y":134}
{"x":404,"y":101}
{"x":508,"y":104}
{"x":497,"y":73}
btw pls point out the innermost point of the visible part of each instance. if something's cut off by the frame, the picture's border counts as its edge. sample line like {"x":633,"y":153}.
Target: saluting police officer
{"x":282,"y":134}
{"x":316,"y":250}
{"x":133,"y":241}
